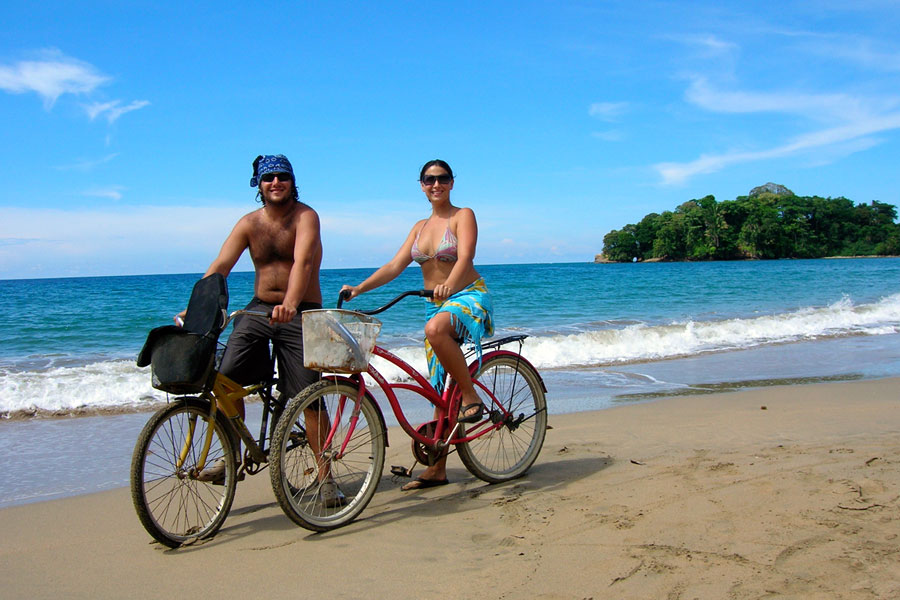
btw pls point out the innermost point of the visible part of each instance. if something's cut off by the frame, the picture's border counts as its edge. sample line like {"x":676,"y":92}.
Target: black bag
{"x":181,"y":358}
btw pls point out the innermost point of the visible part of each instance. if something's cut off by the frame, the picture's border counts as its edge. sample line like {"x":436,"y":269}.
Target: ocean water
{"x":600,"y":334}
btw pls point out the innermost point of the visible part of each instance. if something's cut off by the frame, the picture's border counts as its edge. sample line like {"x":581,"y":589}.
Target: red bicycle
{"x":327,"y":484}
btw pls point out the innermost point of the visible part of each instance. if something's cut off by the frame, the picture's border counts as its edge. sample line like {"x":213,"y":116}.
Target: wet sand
{"x":788,"y":492}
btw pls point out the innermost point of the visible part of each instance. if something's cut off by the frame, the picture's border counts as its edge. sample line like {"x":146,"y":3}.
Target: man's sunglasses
{"x":441,"y":179}
{"x":270,"y":177}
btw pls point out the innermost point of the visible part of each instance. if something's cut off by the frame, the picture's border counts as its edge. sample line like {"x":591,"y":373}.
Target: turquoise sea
{"x":72,"y":400}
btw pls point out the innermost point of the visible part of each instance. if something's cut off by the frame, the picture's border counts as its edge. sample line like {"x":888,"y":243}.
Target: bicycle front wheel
{"x":172,"y":504}
{"x":326,"y":464}
{"x":509,"y":449}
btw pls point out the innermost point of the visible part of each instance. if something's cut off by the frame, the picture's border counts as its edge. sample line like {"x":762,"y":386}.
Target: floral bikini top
{"x":445,"y":251}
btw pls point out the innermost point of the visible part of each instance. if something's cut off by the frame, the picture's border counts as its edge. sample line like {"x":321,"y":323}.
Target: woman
{"x":444,"y":247}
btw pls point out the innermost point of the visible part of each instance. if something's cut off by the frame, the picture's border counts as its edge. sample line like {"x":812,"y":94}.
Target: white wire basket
{"x":338,"y":341}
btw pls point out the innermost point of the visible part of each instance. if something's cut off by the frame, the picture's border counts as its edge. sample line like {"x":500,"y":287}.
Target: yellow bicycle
{"x":199,"y":428}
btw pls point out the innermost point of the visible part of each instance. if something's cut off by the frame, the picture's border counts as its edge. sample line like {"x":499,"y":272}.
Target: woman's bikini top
{"x":446,"y":250}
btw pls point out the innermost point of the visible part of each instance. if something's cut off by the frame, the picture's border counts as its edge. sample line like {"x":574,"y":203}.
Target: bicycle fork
{"x":351,"y":426}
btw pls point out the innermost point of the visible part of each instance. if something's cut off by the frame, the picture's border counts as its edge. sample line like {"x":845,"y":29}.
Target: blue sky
{"x":129,"y":128}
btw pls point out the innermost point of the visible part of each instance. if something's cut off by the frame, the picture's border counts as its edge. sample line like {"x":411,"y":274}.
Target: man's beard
{"x":288,"y":197}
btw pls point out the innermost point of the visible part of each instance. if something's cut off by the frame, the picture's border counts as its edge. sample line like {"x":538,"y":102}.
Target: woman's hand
{"x":349,"y":292}
{"x":179,"y":318}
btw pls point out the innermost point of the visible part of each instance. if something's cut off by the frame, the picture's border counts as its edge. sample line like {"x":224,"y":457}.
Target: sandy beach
{"x":782,"y":492}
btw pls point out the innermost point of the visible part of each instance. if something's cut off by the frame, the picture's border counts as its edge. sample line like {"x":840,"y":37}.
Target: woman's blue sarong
{"x":472,"y":315}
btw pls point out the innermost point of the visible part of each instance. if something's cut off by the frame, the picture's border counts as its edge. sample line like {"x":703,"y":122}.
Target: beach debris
{"x":860,"y":507}
{"x":637,"y":462}
{"x":563,"y":449}
{"x":627,"y":575}
{"x":871,"y":460}
{"x":763,"y":407}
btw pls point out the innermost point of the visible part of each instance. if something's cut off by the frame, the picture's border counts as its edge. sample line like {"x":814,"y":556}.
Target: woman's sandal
{"x":474,"y":417}
{"x":423,"y":484}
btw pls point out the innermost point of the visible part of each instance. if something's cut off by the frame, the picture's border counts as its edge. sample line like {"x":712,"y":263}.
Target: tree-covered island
{"x":771,"y":222}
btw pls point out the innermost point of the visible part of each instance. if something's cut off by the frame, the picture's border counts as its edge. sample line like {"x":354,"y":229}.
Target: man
{"x":286,"y":248}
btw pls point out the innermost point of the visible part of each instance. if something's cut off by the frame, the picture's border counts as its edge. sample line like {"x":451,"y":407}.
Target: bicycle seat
{"x":204,"y":320}
{"x":206,"y":310}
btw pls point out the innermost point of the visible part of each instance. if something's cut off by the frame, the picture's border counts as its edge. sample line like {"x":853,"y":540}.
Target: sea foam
{"x":119,"y":385}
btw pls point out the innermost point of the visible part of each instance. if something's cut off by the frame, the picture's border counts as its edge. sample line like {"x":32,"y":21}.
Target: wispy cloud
{"x":607,"y":111}
{"x":707,"y":44}
{"x":611,"y":135}
{"x":17,"y":241}
{"x":862,"y":52}
{"x":825,"y":107}
{"x":87,"y":164}
{"x":51,"y":76}
{"x":112,"y":192}
{"x":850,"y":121}
{"x":856,"y":135}
{"x":113,"y":110}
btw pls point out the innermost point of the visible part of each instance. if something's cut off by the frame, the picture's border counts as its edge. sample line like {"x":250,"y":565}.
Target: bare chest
{"x":271,"y":243}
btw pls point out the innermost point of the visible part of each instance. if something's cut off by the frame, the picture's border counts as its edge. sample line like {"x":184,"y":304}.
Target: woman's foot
{"x":420,"y":483}
{"x":471,"y":413}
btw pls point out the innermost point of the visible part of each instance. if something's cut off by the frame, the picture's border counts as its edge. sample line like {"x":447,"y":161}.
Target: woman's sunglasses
{"x":441,"y":179}
{"x":270,"y":177}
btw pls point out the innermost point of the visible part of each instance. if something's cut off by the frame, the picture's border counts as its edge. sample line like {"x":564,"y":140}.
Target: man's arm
{"x":307,"y":244}
{"x":235,"y":244}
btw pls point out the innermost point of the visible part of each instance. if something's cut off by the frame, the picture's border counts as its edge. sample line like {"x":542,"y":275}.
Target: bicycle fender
{"x":474,"y":366}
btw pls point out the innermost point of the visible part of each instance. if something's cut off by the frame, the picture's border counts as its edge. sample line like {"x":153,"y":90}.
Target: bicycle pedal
{"x":400,"y":471}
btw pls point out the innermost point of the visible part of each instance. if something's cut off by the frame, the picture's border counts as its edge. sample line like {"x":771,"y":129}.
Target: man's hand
{"x":442,"y":291}
{"x":282,"y":314}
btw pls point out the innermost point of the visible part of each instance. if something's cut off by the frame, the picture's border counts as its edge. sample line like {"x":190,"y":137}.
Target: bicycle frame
{"x":224,"y":394}
{"x":422,"y":387}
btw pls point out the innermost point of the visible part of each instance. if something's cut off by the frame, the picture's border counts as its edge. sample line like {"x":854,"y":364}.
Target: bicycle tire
{"x":172,"y":505}
{"x":295,"y":472}
{"x":508,"y":451}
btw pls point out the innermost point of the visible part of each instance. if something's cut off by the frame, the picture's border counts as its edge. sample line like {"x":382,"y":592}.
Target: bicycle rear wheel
{"x":323,"y":488}
{"x":507,"y":451}
{"x":172,"y":505}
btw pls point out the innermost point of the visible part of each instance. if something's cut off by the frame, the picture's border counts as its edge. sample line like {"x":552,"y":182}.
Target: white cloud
{"x":850,"y":122}
{"x":607,"y":111}
{"x":612,"y":135}
{"x":112,"y":110}
{"x":825,"y":107}
{"x":144,"y":239}
{"x":709,"y":44}
{"x":113,"y":192}
{"x":855,"y":135}
{"x":51,"y":76}
{"x":87,"y":164}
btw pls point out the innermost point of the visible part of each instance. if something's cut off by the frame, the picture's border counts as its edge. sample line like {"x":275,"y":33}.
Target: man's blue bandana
{"x":270,"y":163}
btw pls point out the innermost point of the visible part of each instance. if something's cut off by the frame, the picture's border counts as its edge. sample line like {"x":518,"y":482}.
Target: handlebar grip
{"x":343,"y":295}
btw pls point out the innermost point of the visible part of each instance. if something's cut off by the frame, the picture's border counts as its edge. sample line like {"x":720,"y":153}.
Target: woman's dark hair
{"x":435,"y":163}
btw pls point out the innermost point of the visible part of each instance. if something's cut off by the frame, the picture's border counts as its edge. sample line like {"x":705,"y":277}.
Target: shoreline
{"x":783,"y":491}
{"x":41,"y":415}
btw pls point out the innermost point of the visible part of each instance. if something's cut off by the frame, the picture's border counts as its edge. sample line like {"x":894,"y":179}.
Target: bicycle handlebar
{"x":237,"y":313}
{"x":421,"y":293}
